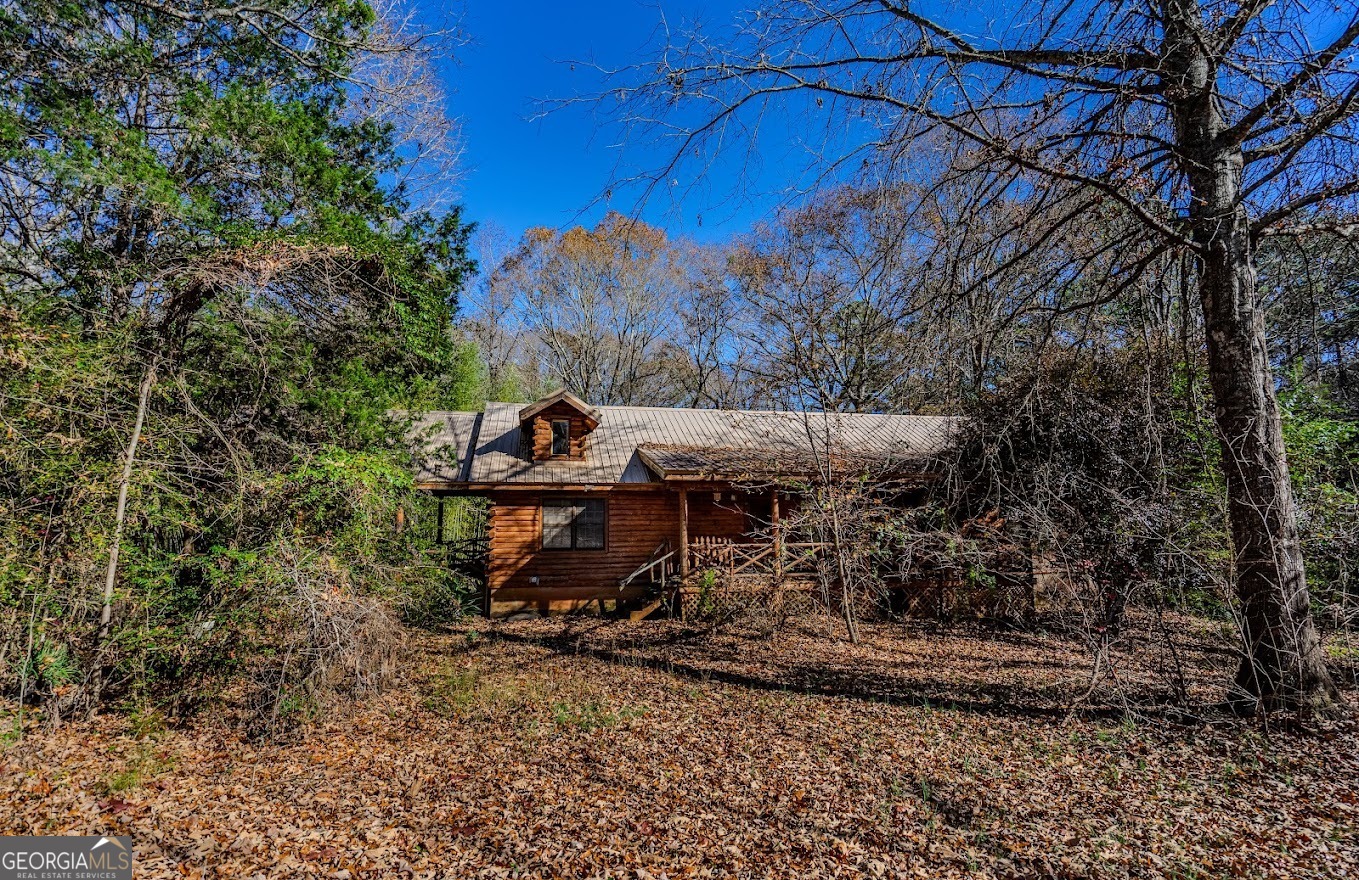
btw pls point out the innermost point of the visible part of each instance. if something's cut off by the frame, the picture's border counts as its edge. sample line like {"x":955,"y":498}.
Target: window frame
{"x":572,"y":500}
{"x":552,"y":445}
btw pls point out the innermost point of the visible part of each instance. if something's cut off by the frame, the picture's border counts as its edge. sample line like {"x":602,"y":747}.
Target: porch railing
{"x":655,"y":571}
{"x":757,"y":557}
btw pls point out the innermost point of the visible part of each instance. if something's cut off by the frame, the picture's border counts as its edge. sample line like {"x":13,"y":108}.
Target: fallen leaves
{"x":608,"y":749}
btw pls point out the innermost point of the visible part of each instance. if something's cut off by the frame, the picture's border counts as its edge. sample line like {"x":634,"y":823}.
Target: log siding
{"x":521,"y":573}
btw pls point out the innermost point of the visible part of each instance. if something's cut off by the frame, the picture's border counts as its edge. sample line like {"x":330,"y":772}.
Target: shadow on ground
{"x":966,"y":668}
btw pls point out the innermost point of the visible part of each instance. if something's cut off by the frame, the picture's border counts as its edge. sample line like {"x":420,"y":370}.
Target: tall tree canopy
{"x":142,"y":141}
{"x":225,"y":257}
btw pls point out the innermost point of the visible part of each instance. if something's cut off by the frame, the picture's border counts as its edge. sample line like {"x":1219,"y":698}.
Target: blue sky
{"x":520,"y":171}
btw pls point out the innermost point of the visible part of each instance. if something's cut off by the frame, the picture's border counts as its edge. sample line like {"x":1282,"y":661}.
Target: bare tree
{"x":907,"y":298}
{"x":495,"y":322}
{"x":715,"y":367}
{"x":396,"y":83}
{"x":619,"y":314}
{"x":1207,"y":124}
{"x":830,"y":289}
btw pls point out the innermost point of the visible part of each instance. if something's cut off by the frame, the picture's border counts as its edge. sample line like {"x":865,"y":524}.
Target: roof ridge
{"x":756,"y":412}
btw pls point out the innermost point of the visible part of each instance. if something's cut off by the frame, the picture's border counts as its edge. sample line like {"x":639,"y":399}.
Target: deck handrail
{"x":735,"y":557}
{"x":648,"y":567}
{"x":738,"y":557}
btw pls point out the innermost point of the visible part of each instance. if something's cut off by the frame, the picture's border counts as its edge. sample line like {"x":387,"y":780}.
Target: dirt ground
{"x":591,"y":748}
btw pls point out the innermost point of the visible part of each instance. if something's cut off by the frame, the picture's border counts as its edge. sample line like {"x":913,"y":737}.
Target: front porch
{"x":709,"y":566}
{"x":760,"y":557}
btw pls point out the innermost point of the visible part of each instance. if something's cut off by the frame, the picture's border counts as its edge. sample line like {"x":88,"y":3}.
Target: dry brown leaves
{"x":608,"y":749}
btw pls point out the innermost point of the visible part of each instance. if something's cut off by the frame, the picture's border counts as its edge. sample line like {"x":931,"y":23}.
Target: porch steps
{"x":646,"y":610}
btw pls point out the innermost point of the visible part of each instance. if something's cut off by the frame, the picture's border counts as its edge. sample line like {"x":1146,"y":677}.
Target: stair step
{"x":646,"y":610}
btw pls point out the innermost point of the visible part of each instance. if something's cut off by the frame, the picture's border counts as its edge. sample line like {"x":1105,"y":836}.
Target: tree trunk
{"x":115,"y":545}
{"x":120,"y":514}
{"x":1283,"y":665}
{"x":842,"y":570}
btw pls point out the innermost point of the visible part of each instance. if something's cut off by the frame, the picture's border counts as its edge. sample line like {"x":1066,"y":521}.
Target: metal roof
{"x":488,"y":447}
{"x":444,"y":438}
{"x":561,"y":395}
{"x":773,"y":462}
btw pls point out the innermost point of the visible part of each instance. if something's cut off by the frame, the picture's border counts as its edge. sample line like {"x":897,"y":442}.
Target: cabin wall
{"x":724,"y":518}
{"x":521,"y":575}
{"x":638,"y":520}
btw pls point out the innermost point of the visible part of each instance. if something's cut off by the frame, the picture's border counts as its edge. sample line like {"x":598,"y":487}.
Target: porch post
{"x":778,"y":533}
{"x":684,"y":532}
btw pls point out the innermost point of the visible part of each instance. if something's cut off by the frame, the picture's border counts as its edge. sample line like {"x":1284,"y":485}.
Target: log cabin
{"x":624,"y":504}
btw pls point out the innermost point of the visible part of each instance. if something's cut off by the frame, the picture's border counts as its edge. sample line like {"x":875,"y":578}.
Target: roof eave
{"x":561,"y":395}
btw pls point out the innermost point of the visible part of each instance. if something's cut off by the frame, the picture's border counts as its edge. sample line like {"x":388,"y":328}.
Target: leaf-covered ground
{"x":586,"y":748}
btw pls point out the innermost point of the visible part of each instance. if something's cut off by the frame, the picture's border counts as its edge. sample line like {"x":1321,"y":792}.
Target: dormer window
{"x":561,"y":437}
{"x":558,"y":427}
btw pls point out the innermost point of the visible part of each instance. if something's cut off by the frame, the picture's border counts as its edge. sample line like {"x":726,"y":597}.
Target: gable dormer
{"x":557,"y":426}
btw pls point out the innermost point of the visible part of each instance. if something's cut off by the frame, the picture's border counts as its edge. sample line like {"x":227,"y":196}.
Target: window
{"x":573,"y":524}
{"x":561,"y":437}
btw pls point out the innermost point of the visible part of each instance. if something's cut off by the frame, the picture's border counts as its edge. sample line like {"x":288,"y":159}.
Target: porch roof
{"x":679,"y":462}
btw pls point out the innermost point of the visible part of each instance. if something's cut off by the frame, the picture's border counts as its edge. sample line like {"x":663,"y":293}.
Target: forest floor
{"x":592,"y":748}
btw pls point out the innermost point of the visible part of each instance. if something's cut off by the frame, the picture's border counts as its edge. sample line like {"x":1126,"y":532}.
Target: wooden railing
{"x":655,"y":571}
{"x":731,"y":558}
{"x":762,"y":557}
